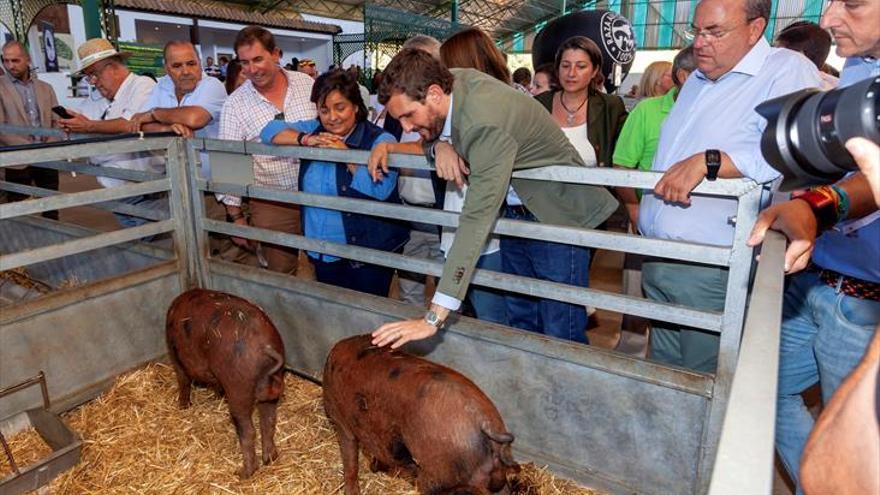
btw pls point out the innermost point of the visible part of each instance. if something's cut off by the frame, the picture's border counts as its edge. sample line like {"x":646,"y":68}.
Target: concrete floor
{"x":605,"y":274}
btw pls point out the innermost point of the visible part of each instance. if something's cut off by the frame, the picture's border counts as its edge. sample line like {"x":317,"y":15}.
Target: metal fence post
{"x":192,"y":267}
{"x":747,"y":210}
{"x":201,"y":249}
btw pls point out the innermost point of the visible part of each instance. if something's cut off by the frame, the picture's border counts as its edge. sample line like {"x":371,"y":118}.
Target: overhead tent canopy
{"x":657,"y":24}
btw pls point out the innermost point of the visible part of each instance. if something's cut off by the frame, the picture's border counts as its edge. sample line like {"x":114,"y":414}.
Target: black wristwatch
{"x":713,"y":164}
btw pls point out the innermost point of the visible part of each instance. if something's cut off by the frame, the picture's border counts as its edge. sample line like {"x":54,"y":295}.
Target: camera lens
{"x":807,"y":130}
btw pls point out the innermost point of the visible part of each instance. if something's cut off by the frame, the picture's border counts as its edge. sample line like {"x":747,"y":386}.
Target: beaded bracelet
{"x":843,"y":202}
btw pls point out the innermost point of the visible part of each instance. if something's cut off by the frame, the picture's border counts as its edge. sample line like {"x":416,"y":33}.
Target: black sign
{"x":49,"y":47}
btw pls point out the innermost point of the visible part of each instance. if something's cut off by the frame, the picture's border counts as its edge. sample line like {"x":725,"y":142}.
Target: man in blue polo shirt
{"x":185,"y":100}
{"x":831,"y":310}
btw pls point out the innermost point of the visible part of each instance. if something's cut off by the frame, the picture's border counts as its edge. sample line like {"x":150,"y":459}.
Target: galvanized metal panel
{"x":709,"y":320}
{"x":69,"y":200}
{"x":22,"y":234}
{"x":580,"y":175}
{"x":595,"y":415}
{"x":114,"y":173}
{"x":82,"y":150}
{"x":79,"y":246}
{"x":744,"y":460}
{"x":78,"y":350}
{"x":663,"y":248}
{"x":114,"y":206}
{"x":731,"y":332}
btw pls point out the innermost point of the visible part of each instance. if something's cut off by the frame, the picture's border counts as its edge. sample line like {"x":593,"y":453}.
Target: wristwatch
{"x":434,"y":320}
{"x":713,"y":164}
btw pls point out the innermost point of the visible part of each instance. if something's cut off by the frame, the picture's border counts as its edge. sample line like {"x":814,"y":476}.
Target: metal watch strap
{"x":433,"y":319}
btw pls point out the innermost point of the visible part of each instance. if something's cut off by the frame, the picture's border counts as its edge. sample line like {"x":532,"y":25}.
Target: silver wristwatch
{"x":433,"y":320}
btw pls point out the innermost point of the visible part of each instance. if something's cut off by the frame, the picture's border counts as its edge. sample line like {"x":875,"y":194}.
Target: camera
{"x":806,"y":132}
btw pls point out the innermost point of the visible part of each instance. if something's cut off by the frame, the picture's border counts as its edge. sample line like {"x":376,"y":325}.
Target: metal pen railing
{"x":737,"y":257}
{"x":744,"y":461}
{"x":188,"y":220}
{"x":62,"y":156}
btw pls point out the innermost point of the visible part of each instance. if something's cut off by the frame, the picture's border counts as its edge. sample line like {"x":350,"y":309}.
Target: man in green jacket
{"x":496,"y":130}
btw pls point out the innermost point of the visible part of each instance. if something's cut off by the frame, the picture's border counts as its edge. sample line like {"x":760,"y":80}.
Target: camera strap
{"x":847,"y":228}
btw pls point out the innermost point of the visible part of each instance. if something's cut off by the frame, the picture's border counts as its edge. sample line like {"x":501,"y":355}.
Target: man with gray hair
{"x":712,"y":131}
{"x":123,"y":93}
{"x":416,"y":188}
{"x":26,"y":101}
{"x":425,"y":43}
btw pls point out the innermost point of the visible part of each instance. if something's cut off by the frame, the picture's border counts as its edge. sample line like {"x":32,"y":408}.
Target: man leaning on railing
{"x":122,"y":95}
{"x":712,"y":131}
{"x":497,"y":130}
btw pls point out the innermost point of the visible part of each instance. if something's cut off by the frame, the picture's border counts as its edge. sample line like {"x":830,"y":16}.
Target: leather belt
{"x":851,"y":286}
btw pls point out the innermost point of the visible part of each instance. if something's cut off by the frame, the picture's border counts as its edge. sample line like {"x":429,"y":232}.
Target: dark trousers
{"x":33,"y":176}
{"x":549,"y":261}
{"x":362,"y":277}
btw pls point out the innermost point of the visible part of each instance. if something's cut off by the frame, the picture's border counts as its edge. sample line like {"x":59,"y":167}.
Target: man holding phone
{"x":26,"y":101}
{"x":123,"y":94}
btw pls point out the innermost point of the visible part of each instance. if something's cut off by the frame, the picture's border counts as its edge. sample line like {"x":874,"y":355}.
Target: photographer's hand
{"x":795,"y":219}
{"x":867,"y":156}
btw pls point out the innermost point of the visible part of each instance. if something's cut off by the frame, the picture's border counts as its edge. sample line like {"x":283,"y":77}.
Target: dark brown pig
{"x":228,"y":343}
{"x":407,"y":412}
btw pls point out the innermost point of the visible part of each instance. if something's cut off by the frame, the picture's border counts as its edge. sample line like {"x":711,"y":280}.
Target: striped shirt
{"x":246,"y":112}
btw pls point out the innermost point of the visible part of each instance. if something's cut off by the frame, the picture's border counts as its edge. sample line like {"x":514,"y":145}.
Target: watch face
{"x":713,"y":156}
{"x":432,"y":319}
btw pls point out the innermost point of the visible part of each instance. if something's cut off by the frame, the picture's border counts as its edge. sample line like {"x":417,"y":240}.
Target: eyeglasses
{"x":96,"y":74}
{"x":712,"y":35}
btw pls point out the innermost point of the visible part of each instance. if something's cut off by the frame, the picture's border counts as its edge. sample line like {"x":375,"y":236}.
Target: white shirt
{"x":209,"y":94}
{"x":454,"y":201}
{"x":578,"y":137}
{"x":129,"y":100}
{"x":721,"y":115}
{"x":245,"y":114}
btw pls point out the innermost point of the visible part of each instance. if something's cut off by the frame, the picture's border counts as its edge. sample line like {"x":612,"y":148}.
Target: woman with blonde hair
{"x":656,"y":80}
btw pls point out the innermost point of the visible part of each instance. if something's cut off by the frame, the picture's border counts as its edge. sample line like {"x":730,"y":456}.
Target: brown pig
{"x":228,"y":343}
{"x":407,"y":412}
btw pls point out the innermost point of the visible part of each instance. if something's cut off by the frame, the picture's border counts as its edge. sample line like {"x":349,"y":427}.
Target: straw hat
{"x":95,"y":50}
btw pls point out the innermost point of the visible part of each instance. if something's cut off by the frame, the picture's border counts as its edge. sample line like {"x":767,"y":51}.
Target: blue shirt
{"x":856,"y":253}
{"x":320,"y":178}
{"x":209,"y":94}
{"x":720,"y":115}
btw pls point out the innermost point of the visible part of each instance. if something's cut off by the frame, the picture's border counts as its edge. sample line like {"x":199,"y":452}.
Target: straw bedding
{"x":136,"y":440}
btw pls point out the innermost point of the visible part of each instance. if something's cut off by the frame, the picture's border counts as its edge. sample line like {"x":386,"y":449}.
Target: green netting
{"x":144,"y":58}
{"x":385,"y":31}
